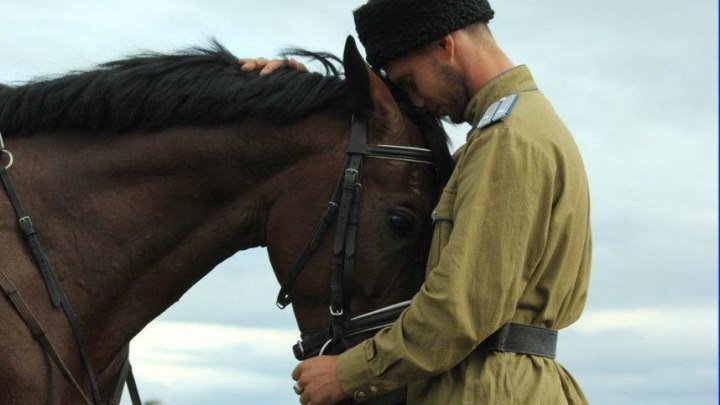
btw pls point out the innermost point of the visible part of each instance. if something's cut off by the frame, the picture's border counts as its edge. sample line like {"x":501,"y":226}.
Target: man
{"x":510,"y":257}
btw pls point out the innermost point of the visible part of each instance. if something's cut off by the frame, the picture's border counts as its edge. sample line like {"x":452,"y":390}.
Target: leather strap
{"x":120,"y":383}
{"x":29,"y":231}
{"x":57,"y":296}
{"x":356,"y":329}
{"x":522,"y":339}
{"x":58,"y":299}
{"x":132,"y":387}
{"x":37,"y":331}
{"x":343,"y":261}
{"x":126,"y":377}
{"x":283,"y":298}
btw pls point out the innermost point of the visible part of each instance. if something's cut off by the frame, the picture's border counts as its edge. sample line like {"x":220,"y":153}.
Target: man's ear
{"x":367,"y":93}
{"x":447,"y":46}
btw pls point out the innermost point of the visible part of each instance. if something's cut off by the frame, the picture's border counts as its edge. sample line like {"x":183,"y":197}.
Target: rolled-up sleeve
{"x":500,"y":218}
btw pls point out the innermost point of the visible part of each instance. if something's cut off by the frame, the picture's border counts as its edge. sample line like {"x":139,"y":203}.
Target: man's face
{"x":430,"y":83}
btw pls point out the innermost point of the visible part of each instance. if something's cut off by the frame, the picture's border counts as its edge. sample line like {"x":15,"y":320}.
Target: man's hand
{"x":268,"y":66}
{"x":318,"y":380}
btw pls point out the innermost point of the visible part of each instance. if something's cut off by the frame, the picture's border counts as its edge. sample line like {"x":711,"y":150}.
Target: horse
{"x":143,"y":174}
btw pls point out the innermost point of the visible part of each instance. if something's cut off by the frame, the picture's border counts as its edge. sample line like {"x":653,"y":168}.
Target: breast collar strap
{"x":55,"y":291}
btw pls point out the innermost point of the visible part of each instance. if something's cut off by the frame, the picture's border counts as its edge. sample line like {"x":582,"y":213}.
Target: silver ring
{"x":297,"y":389}
{"x":10,"y":156}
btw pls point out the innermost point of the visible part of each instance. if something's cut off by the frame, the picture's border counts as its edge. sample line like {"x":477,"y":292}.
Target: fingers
{"x":295,"y":65}
{"x":272,"y":66}
{"x":267,"y":67}
{"x":296,"y":372}
{"x":248,"y":65}
{"x":304,"y":398}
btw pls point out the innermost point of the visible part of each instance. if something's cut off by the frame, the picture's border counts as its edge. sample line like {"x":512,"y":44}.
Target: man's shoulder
{"x":525,"y":115}
{"x":497,"y":111}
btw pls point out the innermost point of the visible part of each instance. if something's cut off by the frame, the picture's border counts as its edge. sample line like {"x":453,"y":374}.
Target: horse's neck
{"x":132,"y":222}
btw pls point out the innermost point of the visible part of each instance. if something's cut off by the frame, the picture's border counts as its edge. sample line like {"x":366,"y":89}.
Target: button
{"x":373,"y":389}
{"x":360,"y":395}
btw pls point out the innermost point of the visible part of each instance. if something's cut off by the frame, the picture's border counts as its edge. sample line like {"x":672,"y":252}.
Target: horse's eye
{"x":402,"y":223}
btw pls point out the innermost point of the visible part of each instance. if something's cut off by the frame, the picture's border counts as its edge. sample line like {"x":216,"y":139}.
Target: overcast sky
{"x":634,"y":80}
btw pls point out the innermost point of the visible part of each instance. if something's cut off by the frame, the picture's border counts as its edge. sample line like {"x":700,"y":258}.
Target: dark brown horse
{"x":144,"y":174}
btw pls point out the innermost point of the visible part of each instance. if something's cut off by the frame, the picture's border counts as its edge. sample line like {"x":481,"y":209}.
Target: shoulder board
{"x":497,"y":111}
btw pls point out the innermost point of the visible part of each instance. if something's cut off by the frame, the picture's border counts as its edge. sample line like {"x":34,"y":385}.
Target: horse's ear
{"x":366,"y":91}
{"x":357,"y":79}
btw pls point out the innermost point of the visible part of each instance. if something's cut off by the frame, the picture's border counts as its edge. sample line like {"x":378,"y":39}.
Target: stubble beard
{"x":456,"y":93}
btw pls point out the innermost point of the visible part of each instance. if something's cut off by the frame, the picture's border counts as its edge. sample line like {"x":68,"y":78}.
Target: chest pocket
{"x":442,"y":217}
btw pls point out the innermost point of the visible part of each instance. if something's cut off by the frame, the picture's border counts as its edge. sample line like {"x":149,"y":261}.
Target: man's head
{"x":428,"y":47}
{"x":391,"y":28}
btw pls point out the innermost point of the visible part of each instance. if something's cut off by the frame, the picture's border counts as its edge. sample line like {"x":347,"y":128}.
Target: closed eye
{"x":402,"y":223}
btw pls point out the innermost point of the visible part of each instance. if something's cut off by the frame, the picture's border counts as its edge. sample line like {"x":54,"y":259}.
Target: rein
{"x":58,"y":300}
{"x":344,"y":208}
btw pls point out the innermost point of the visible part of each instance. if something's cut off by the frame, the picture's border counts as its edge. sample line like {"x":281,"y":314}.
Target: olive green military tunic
{"x":511,"y":244}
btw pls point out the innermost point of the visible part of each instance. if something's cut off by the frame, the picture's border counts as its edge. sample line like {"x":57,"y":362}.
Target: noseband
{"x":344,"y":207}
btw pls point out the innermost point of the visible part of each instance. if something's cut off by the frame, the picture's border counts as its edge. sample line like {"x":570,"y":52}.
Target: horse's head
{"x":384,"y":261}
{"x":398,"y":195}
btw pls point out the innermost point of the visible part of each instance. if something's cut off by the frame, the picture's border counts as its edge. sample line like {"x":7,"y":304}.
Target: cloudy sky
{"x":635,"y":81}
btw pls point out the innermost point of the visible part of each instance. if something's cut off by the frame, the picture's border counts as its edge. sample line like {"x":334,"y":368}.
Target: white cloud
{"x":198,"y":338}
{"x":182,"y":361}
{"x":694,"y":329}
{"x":175,"y":354}
{"x":659,"y":355}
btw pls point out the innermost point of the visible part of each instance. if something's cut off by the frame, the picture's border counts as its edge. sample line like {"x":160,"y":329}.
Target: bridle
{"x":58,"y":300}
{"x":344,"y":209}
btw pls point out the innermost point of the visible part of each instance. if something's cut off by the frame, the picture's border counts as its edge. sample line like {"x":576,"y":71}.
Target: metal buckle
{"x":336,"y":313}
{"x":5,"y":151}
{"x":10,"y":157}
{"x":322,"y":349}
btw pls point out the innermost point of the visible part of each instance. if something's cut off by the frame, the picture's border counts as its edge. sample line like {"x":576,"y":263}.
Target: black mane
{"x":199,"y":86}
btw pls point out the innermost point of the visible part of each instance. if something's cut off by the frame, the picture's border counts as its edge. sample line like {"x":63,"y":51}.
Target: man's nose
{"x":416,"y":99}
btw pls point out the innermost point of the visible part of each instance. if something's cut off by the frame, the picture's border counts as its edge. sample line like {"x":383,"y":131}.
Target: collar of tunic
{"x":515,"y":80}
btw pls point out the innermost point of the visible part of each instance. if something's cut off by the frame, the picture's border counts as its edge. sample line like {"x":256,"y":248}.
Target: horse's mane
{"x":199,"y":86}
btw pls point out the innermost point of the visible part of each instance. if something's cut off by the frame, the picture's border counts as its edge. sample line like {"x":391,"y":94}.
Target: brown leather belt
{"x":522,"y":339}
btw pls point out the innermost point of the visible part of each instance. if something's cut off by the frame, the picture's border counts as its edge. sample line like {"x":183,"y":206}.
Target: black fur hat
{"x":391,"y":28}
